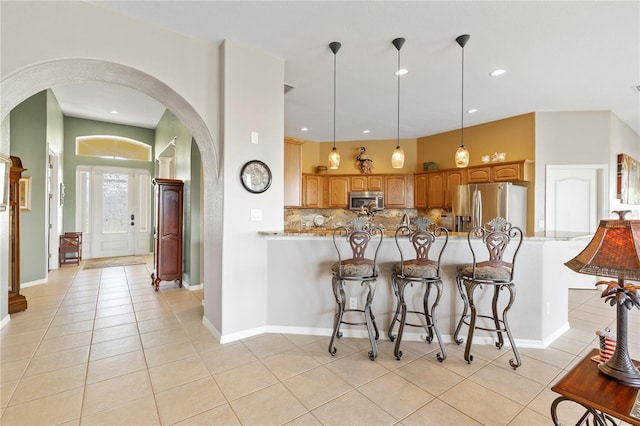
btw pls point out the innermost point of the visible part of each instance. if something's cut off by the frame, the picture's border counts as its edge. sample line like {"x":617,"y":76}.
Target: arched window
{"x":114,"y":147}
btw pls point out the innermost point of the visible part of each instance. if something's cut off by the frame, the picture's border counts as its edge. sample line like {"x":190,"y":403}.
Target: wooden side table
{"x":600,"y":395}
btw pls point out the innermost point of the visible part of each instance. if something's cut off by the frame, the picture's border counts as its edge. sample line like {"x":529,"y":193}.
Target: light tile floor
{"x":101,"y":347}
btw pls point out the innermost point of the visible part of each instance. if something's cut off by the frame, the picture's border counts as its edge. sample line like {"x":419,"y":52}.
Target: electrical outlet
{"x":353,"y":303}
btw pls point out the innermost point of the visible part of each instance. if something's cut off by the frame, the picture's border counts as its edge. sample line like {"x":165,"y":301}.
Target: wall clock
{"x":255,"y":176}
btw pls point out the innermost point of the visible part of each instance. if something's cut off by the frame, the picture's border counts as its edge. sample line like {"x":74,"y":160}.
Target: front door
{"x":117,"y":205}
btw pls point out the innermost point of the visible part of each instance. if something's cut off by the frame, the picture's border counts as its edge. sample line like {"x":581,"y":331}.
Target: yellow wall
{"x":315,"y":154}
{"x":514,"y":136}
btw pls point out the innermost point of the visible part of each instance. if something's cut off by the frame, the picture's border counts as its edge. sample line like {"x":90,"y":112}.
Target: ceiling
{"x":559,"y":56}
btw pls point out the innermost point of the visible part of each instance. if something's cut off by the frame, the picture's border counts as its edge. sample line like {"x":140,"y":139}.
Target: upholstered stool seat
{"x":496,"y":273}
{"x":420,"y":270}
{"x":354,"y":240}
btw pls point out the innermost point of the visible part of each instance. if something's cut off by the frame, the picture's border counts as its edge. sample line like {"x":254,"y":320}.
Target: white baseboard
{"x":32,"y":283}
{"x":5,"y":321}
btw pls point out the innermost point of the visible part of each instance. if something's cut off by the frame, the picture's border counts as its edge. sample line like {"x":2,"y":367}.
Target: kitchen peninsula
{"x":300,"y":300}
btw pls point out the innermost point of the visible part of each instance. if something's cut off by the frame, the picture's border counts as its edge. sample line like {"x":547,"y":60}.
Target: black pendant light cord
{"x":334,"y":46}
{"x":398,"y":74}
{"x":462,"y":104}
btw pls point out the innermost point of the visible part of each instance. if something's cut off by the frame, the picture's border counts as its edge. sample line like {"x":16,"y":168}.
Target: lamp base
{"x":620,"y":366}
{"x":628,"y":376}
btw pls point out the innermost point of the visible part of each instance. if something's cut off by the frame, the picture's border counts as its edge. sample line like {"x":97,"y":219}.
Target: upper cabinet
{"x":367,"y":182}
{"x":339,"y":191}
{"x":292,"y":172}
{"x":452,"y":178}
{"x":312,"y":191}
{"x":514,"y":171}
{"x":420,"y":184}
{"x":398,"y":191}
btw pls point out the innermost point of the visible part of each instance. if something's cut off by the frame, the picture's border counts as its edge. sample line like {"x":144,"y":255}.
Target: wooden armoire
{"x":167,"y":256}
{"x":17,"y":302}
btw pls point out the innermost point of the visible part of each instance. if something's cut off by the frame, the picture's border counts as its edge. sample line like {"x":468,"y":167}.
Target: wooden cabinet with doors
{"x":167,"y":256}
{"x":420,"y":184}
{"x":292,"y":171}
{"x":452,"y":178}
{"x":515,"y":171}
{"x":367,"y":183}
{"x":398,"y":191}
{"x":479,"y":174}
{"x":17,"y":301}
{"x":338,"y":187}
{"x":435,"y":190}
{"x":312,"y":191}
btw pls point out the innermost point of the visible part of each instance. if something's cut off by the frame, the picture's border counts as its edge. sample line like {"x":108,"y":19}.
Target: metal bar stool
{"x":420,"y":270}
{"x":358,"y":233}
{"x":496,"y":235}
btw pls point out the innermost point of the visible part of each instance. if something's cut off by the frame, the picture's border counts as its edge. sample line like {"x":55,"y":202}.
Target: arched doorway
{"x":29,"y":81}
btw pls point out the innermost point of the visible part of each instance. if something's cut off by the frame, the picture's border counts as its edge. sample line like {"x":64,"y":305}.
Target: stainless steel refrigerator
{"x":476,"y":204}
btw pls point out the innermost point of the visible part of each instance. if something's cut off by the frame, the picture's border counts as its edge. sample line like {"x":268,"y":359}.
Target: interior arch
{"x":23,"y":84}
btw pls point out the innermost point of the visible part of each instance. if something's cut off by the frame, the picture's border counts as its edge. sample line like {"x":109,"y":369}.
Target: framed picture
{"x":628,"y":185}
{"x":25,"y":193}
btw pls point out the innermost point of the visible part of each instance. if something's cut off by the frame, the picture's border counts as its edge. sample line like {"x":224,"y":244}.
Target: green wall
{"x":75,"y":127}
{"x":188,"y":169}
{"x":28,"y":135}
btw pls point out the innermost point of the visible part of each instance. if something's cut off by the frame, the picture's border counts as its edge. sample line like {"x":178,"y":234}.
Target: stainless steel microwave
{"x":373,"y":200}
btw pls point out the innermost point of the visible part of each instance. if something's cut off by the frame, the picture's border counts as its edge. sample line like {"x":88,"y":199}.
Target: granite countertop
{"x":323,"y":232}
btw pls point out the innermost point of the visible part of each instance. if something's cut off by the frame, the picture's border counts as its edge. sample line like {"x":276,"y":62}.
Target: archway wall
{"x":46,"y":44}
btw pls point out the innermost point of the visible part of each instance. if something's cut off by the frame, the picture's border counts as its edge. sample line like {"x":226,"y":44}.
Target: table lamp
{"x":614,"y":252}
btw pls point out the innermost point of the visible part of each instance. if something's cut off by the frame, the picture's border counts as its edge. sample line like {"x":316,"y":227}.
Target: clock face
{"x":255,"y":176}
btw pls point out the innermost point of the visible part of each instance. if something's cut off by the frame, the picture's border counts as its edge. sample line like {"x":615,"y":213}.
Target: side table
{"x":601,"y":396}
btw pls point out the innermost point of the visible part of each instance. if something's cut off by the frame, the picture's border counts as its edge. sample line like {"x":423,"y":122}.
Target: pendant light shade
{"x":397,"y":158}
{"x":334,"y":155}
{"x":462,"y":154}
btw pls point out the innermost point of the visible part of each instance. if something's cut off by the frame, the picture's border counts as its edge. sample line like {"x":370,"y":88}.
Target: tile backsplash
{"x":297,"y":219}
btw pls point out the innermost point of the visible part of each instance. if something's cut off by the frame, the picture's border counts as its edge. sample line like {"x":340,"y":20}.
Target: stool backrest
{"x":497,"y":235}
{"x":422,"y":234}
{"x":358,"y":233}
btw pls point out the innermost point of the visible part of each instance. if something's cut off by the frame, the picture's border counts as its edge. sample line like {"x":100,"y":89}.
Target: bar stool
{"x":358,"y":233}
{"x":497,"y":273}
{"x":420,"y":270}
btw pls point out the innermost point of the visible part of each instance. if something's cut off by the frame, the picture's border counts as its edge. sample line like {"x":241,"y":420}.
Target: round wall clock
{"x":255,"y":176}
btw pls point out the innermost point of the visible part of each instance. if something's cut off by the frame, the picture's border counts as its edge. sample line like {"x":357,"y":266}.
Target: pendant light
{"x":397,"y":158}
{"x":462,"y":154}
{"x":334,"y":155}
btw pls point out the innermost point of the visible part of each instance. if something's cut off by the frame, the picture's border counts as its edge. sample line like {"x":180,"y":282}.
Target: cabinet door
{"x":395,"y":191}
{"x":374,"y":183}
{"x":312,"y":191}
{"x":435,"y":190}
{"x":292,"y":173}
{"x":453,"y":178}
{"x":339,"y":191}
{"x":479,"y":175}
{"x":359,"y":183}
{"x":420,"y":183}
{"x":507,"y":172}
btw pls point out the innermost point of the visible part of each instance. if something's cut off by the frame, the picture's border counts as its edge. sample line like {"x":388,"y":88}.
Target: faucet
{"x":405,"y":220}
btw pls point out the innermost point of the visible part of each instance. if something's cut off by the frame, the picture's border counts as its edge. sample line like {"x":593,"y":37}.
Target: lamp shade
{"x":613,"y":252}
{"x":397,"y":158}
{"x":334,"y":159}
{"x":462,"y":156}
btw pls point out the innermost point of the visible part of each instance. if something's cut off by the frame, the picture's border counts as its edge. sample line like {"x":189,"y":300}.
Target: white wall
{"x":583,"y":137}
{"x":253,"y":102}
{"x":4,"y":234}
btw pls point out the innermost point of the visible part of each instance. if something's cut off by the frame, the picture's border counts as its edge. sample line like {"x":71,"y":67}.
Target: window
{"x":114,"y":147}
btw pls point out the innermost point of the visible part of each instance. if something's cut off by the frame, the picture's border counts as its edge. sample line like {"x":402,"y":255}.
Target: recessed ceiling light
{"x":472,"y":111}
{"x":114,"y":112}
{"x":304,"y":129}
{"x":636,"y":88}
{"x":497,"y":72}
{"x":401,"y":71}
{"x":366,"y":131}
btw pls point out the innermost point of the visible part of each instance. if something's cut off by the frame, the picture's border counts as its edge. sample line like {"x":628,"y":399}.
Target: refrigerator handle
{"x":476,"y":214}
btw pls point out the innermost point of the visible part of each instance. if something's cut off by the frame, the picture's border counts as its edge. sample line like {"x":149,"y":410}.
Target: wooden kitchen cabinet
{"x":452,"y":178}
{"x":398,"y":192}
{"x":435,"y":190}
{"x":420,"y":184}
{"x":367,"y":183}
{"x":339,"y":191}
{"x":167,"y":256}
{"x":312,"y":190}
{"x":509,"y":172}
{"x":479,"y":174}
{"x":292,"y":171}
